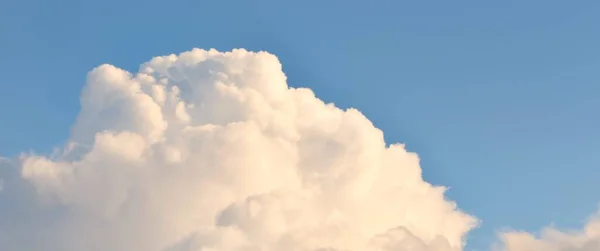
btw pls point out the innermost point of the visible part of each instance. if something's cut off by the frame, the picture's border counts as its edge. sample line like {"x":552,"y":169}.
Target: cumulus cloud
{"x":552,"y":239}
{"x":211,"y":150}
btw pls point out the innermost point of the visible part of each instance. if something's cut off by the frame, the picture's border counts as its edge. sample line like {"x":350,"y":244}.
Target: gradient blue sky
{"x":500,"y":99}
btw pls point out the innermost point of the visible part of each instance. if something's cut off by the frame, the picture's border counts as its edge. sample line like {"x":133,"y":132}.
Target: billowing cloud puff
{"x":213,"y":151}
{"x":552,"y":239}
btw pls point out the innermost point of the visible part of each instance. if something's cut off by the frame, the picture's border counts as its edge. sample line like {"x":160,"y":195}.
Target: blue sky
{"x":499,"y":99}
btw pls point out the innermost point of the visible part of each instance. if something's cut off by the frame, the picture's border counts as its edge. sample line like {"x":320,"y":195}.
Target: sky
{"x":499,"y":100}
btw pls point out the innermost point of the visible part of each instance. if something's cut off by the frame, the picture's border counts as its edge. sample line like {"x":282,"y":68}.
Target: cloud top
{"x":552,"y":239}
{"x":213,"y":151}
{"x":210,"y":150}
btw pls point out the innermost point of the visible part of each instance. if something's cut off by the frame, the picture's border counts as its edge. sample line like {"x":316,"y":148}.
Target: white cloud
{"x":213,"y":151}
{"x":552,"y":239}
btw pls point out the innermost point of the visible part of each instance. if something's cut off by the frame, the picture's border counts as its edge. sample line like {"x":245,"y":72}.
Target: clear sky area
{"x":499,"y":99}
